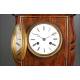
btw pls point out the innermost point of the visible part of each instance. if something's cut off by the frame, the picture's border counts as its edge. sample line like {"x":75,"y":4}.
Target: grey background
{"x":77,"y":32}
{"x":7,"y":24}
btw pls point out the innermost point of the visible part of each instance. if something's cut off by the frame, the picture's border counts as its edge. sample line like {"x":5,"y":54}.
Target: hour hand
{"x":37,"y":35}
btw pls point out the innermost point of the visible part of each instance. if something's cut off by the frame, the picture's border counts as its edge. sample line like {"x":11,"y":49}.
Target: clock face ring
{"x":44,"y":39}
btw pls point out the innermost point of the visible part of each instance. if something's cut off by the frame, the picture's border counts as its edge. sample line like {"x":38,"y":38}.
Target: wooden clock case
{"x":65,"y":56}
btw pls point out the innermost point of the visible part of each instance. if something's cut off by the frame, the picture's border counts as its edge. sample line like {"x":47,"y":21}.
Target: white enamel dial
{"x":44,"y":39}
{"x":18,"y":38}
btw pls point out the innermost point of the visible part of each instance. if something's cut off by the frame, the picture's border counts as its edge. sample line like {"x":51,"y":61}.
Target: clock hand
{"x":51,"y":35}
{"x":37,"y":35}
{"x":43,"y":38}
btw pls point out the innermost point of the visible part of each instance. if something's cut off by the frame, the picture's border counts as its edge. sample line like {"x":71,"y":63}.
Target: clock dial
{"x":44,"y":39}
{"x":18,"y":38}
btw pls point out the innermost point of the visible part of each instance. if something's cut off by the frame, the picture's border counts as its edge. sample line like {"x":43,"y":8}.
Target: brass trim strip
{"x":40,"y":16}
{"x":67,"y":28}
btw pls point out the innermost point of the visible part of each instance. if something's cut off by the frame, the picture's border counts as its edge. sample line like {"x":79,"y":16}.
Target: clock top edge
{"x":43,"y":15}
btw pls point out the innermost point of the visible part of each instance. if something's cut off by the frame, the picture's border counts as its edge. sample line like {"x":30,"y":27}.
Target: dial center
{"x":44,"y":39}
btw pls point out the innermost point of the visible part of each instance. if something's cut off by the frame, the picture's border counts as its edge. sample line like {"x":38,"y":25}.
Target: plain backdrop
{"x":7,"y":24}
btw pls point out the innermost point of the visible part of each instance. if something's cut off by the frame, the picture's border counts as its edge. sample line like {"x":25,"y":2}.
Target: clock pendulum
{"x":18,"y":43}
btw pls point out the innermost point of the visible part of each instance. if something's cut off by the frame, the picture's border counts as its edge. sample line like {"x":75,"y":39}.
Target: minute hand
{"x":51,"y":35}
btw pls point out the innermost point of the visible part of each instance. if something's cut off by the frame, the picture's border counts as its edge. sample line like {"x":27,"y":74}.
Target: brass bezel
{"x":19,"y":56}
{"x":45,"y":55}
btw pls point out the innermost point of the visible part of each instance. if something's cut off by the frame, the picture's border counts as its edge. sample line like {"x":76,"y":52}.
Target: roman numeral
{"x":34,"y":44}
{"x":44,"y":50}
{"x":38,"y":30}
{"x":43,"y":28}
{"x":18,"y":44}
{"x":49,"y":29}
{"x":34,"y":34}
{"x":38,"y":48}
{"x":19,"y":39}
{"x":37,"y":43}
{"x":54,"y":38}
{"x":50,"y":49}
{"x":53,"y":33}
{"x":32,"y":39}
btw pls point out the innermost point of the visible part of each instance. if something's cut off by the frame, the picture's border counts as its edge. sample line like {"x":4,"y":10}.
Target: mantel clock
{"x":43,"y":40}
